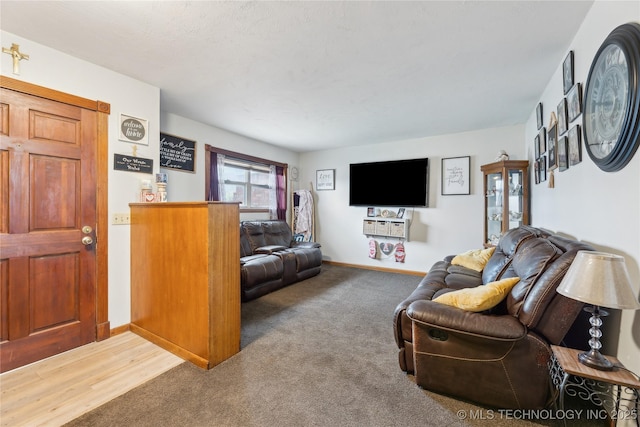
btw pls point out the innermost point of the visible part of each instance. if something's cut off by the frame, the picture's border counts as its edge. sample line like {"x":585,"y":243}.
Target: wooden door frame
{"x":103,"y":109}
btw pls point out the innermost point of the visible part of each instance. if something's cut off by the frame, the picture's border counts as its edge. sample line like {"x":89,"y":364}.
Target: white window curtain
{"x":273,"y":199}
{"x":220,"y":161}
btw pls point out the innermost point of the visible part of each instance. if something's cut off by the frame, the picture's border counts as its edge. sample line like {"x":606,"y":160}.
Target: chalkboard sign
{"x":177,"y":153}
{"x":132,"y":164}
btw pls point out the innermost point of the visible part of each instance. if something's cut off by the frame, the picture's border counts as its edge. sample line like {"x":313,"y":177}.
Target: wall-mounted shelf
{"x":397,"y":228}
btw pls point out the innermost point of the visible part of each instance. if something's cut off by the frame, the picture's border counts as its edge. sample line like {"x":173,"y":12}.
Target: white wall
{"x":186,"y":186}
{"x":56,"y":70}
{"x":598,"y":207}
{"x":451,"y":224}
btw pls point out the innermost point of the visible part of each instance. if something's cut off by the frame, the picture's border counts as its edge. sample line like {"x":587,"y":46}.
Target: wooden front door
{"x":47,"y":227}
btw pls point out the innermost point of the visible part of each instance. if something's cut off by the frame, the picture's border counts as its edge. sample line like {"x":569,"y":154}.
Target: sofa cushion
{"x":529,"y":262}
{"x":249,"y":258}
{"x":245,"y":246}
{"x":480,"y":298}
{"x":458,"y":269}
{"x":254,"y":234}
{"x":501,"y":258}
{"x":511,"y":241}
{"x":277,"y":233}
{"x":261,"y":269}
{"x":459,"y":277}
{"x":307,"y":258}
{"x":474,"y":259}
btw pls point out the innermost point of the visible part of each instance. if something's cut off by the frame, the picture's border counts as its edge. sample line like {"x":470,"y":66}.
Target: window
{"x":246,"y":183}
{"x":257,"y":184}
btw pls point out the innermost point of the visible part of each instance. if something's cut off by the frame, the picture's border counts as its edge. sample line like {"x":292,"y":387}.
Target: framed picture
{"x":563,"y":155}
{"x":574,"y":102}
{"x":536,"y":171}
{"x":177,"y":153}
{"x":371,"y":212}
{"x":326,"y":179}
{"x":552,"y":149}
{"x":539,"y":114}
{"x":536,"y":146}
{"x":562,"y":116}
{"x":567,"y":73}
{"x":542,"y":140}
{"x":575,"y":145}
{"x":134,"y":129}
{"x":455,"y":176}
{"x":542,"y":161}
{"x":400,"y":213}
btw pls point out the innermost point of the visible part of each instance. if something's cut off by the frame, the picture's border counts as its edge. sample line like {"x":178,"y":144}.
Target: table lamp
{"x":602,"y":280}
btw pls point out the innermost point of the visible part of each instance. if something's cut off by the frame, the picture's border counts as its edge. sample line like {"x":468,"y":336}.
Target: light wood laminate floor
{"x":56,"y":390}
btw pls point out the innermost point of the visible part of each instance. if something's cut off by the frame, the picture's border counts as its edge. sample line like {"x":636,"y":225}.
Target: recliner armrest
{"x":450,"y":318}
{"x":307,"y":245}
{"x":458,"y":269}
{"x":269,"y":249}
{"x":247,"y":259}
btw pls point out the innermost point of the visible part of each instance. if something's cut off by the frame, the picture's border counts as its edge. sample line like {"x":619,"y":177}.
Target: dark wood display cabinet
{"x":506,"y":201}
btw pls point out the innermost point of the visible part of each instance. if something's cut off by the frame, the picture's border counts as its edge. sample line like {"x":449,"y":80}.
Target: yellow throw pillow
{"x":474,"y":259}
{"x":481,"y":297}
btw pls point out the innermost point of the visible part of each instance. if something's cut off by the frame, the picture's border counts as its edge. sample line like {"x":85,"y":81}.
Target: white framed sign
{"x":455,"y":176}
{"x":134,"y":129}
{"x":325,"y":179}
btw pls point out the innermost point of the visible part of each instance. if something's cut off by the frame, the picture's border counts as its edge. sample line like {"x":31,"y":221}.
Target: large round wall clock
{"x":611,"y":117}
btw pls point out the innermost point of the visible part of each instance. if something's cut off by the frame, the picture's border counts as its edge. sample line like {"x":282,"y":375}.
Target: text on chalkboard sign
{"x":177,"y":153}
{"x":122,"y":162}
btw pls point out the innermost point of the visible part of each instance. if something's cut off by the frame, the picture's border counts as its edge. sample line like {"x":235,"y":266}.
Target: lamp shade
{"x":599,"y":279}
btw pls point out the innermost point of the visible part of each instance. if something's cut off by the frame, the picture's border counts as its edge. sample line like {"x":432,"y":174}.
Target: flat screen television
{"x":399,"y":183}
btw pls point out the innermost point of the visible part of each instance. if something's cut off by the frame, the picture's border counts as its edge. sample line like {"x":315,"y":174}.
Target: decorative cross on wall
{"x":14,"y":51}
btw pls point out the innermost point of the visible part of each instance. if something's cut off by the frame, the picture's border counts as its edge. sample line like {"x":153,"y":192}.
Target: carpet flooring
{"x":317,"y":353}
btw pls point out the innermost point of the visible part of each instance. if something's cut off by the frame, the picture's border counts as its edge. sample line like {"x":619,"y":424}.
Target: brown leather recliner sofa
{"x":498,"y":357}
{"x":270,"y":259}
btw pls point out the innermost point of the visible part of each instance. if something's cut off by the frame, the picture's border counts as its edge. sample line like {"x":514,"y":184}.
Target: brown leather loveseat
{"x":498,"y":357}
{"x":270,"y":259}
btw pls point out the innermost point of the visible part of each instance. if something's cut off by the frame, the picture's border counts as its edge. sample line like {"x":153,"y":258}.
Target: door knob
{"x":87,"y":240}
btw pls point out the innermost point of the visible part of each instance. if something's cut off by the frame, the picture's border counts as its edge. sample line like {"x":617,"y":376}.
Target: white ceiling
{"x":316,"y":75}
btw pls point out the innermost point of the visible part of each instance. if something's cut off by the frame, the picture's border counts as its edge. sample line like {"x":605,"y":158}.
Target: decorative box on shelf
{"x":386,"y":227}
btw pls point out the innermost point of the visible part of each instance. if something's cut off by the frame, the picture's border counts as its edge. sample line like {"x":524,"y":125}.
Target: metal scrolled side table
{"x":616,"y":391}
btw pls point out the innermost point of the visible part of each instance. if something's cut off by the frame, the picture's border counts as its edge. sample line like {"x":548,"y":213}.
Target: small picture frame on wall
{"x":567,"y":72}
{"x":177,"y":153}
{"x":539,"y":115}
{"x":455,"y":176}
{"x":574,"y":102}
{"x":371,"y":212}
{"x":562,"y":116}
{"x":325,"y":179}
{"x":134,"y":130}
{"x":536,"y":146}
{"x":552,"y":141}
{"x":543,"y":168}
{"x":563,"y":155}
{"x":542,"y":141}
{"x":575,"y":145}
